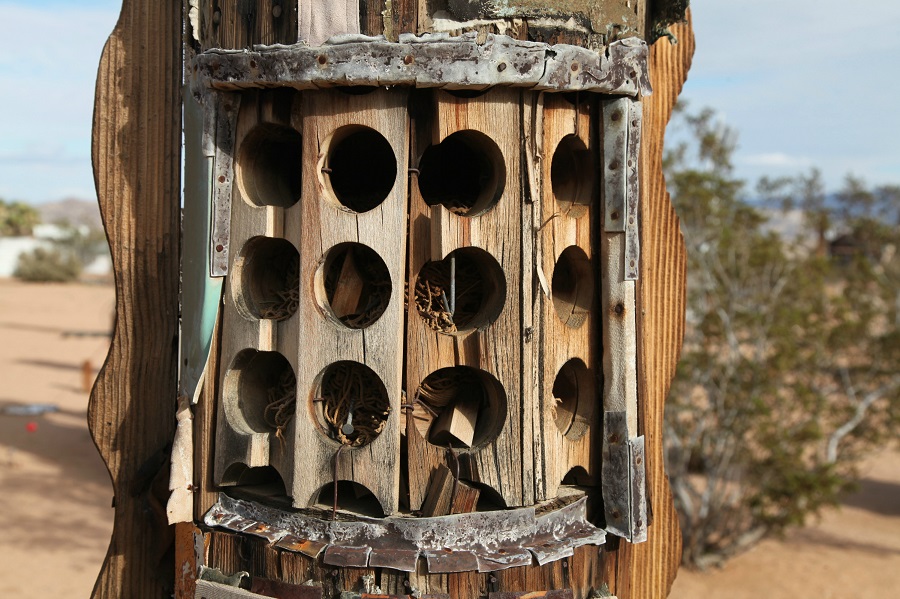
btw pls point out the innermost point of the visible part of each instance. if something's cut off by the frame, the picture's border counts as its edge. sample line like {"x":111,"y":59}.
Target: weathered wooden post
{"x":432,"y":298}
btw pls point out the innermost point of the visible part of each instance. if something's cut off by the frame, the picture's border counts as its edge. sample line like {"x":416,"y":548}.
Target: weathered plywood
{"x":647,"y":570}
{"x":131,"y":415}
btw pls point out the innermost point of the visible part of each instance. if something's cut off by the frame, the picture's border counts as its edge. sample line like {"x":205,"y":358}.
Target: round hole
{"x":359,"y":169}
{"x":573,"y":393}
{"x":465,"y":173}
{"x":460,"y":407}
{"x":268,"y":166}
{"x":267,"y":279}
{"x":474,"y":302}
{"x":353,"y":285}
{"x":572,"y":287}
{"x":572,"y":176}
{"x":260,"y":392}
{"x":351,"y":403}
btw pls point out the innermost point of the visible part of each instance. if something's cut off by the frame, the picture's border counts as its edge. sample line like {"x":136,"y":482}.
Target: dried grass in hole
{"x":286,"y":299}
{"x":433,"y":290}
{"x":347,"y":386}
{"x":282,"y":402}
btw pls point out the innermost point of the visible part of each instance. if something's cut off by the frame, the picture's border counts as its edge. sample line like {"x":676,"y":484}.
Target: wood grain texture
{"x":647,"y":570}
{"x":131,"y":414}
{"x":244,"y":23}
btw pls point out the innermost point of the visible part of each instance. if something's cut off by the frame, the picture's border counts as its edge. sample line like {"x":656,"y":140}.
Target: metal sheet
{"x":297,"y":544}
{"x":346,"y":556}
{"x":615,"y":143}
{"x":503,"y":559}
{"x":432,"y":60}
{"x":448,"y":560}
{"x":396,"y":559}
{"x":638,"y":490}
{"x":616,"y":482}
{"x":633,"y":193}
{"x":226,"y":106}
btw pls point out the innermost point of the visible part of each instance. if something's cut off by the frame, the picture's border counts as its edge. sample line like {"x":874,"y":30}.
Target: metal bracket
{"x":223,"y":124}
{"x":633,"y":192}
{"x":624,"y":480}
{"x":622,"y":120}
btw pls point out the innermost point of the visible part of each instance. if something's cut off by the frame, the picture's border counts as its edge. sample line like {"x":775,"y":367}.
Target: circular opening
{"x":260,"y":392}
{"x":463,"y":292}
{"x":465,"y":173}
{"x":573,"y":393}
{"x":460,"y":407}
{"x":351,"y":403}
{"x":268,"y":166}
{"x":267,"y":279}
{"x":572,"y":287}
{"x":359,"y":168}
{"x":353,"y":285}
{"x":572,"y":176}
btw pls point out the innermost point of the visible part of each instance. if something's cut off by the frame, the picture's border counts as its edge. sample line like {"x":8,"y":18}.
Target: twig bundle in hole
{"x":349,"y":387}
{"x":286,"y":300}
{"x":282,"y":402}
{"x":433,"y":294}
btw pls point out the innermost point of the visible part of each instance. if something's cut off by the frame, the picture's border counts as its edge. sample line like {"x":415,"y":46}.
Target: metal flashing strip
{"x":226,"y":106}
{"x":478,"y":541}
{"x":434,"y":60}
{"x":624,"y":480}
{"x":621,"y":122}
{"x":633,"y":191}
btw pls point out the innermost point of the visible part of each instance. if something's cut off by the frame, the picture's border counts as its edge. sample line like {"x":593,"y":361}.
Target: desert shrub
{"x":48,"y":265}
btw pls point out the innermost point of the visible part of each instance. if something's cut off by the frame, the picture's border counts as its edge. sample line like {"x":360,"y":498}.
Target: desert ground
{"x":55,"y":502}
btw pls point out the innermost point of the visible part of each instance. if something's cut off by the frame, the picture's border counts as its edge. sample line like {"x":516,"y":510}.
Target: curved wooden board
{"x":131,"y":415}
{"x":647,"y":570}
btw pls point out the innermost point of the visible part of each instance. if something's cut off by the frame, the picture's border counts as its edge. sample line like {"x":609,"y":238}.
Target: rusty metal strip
{"x":638,"y":490}
{"x":633,"y":193}
{"x":432,"y":60}
{"x":624,"y":480}
{"x":479,"y":541}
{"x":226,"y":108}
{"x":615,"y":144}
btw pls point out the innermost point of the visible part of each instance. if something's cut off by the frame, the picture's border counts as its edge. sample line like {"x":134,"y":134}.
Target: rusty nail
{"x":252,"y":64}
{"x":322,"y":59}
{"x":619,"y":308}
{"x":616,"y":116}
{"x":632,"y":74}
{"x":614,"y":216}
{"x":408,"y":59}
{"x":634,"y":123}
{"x":631,"y":263}
{"x":501,"y":67}
{"x":631,"y":221}
{"x":574,"y":66}
{"x":276,"y":11}
{"x":221,"y":178}
{"x":616,"y":514}
{"x":638,"y":461}
{"x":220,"y":248}
{"x":613,"y":165}
{"x":614,"y":438}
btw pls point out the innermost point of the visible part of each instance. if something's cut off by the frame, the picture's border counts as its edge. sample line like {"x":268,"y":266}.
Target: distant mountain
{"x":72,"y":211}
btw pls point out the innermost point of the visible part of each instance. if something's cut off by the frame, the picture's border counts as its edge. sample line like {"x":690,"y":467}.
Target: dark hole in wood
{"x":268,"y":166}
{"x":267,"y":279}
{"x":572,"y":287}
{"x":464,"y":408}
{"x":265,"y":480}
{"x":352,"y":497}
{"x":360,"y":168}
{"x":576,"y":477}
{"x":572,"y":176}
{"x":356,"y":90}
{"x":480,"y":291}
{"x":347,"y":387}
{"x":260,"y":392}
{"x":354,"y":285}
{"x":467,"y":93}
{"x":465,"y":173}
{"x":573,"y":393}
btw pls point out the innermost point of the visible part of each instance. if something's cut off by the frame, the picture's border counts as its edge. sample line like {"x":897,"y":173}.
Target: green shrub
{"x":45,"y":266}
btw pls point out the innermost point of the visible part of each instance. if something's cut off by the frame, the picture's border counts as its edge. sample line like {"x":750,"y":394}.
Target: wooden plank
{"x":131,"y":414}
{"x":564,"y":251}
{"x":647,"y":570}
{"x":245,"y":23}
{"x":446,"y":496}
{"x":329,"y":115}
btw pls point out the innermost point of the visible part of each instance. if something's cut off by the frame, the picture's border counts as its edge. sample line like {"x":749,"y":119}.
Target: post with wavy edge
{"x":131,"y":415}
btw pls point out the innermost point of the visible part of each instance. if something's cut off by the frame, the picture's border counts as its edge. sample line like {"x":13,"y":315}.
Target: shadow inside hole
{"x":577,"y":477}
{"x":572,"y":287}
{"x":265,"y":479}
{"x":269,"y":166}
{"x":259,"y":392}
{"x":360,"y":168}
{"x":351,"y":404}
{"x":573,"y":394}
{"x":572,"y":176}
{"x":354,"y":285}
{"x":356,"y":90}
{"x":465,"y":173}
{"x":489,"y":499}
{"x":351,"y":497}
{"x":463,"y":292}
{"x":267,"y":279}
{"x":467,"y":93}
{"x":460,"y":407}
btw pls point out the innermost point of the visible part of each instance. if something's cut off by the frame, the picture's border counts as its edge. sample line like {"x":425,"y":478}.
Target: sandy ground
{"x":55,"y":501}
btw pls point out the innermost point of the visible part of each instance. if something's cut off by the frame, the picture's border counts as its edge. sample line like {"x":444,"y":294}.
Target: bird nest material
{"x":287,"y":299}
{"x":434,"y":295}
{"x":348,"y":388}
{"x":282,"y":402}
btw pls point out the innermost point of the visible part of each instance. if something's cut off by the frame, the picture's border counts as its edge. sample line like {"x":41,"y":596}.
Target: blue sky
{"x":804,"y":82}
